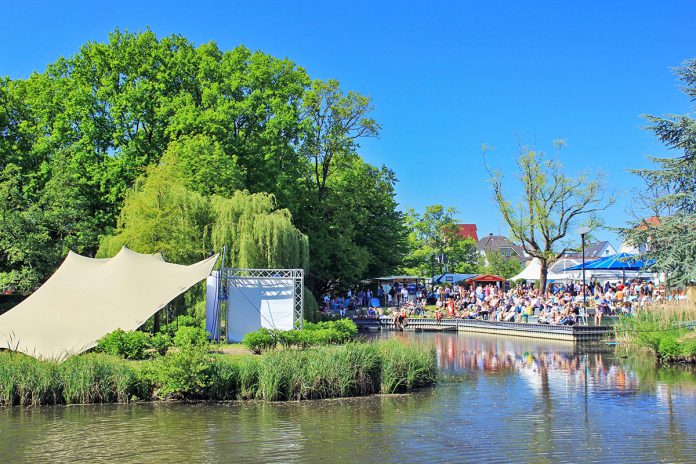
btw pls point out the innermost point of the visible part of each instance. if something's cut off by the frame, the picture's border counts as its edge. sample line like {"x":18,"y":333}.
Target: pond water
{"x":501,"y":400}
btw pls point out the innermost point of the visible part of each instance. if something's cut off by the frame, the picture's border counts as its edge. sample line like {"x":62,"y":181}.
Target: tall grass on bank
{"x":353,"y":369}
{"x":90,"y":378}
{"x":660,"y":329}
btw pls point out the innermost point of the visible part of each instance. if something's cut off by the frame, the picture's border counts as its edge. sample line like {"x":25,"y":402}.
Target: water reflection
{"x":514,"y":400}
{"x":563,"y":365}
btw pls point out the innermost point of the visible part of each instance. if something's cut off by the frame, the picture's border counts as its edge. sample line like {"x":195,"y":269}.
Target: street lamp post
{"x":582,"y":231}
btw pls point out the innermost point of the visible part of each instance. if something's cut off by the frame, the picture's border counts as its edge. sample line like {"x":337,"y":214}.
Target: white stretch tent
{"x":531,"y":272}
{"x":87,"y":298}
{"x":555,"y":272}
{"x":256,"y":302}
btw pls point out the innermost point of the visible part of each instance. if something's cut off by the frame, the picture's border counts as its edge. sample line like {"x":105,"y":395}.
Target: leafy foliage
{"x":436,"y":245}
{"x":191,"y":336}
{"x":552,"y":205}
{"x":130,"y":345}
{"x":494,"y":262}
{"x":260,"y":340}
{"x":144,"y":141}
{"x":671,"y":239}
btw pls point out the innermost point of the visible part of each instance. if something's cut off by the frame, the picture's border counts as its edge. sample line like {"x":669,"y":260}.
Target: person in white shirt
{"x":404,"y":295}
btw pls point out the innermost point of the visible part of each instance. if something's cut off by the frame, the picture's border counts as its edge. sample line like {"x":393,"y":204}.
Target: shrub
{"x":183,"y":320}
{"x":669,"y":348}
{"x":689,"y":348}
{"x":184,"y":373}
{"x":288,"y":338}
{"x":161,"y":342}
{"x":130,"y":345}
{"x":188,"y":336}
{"x":260,"y":341}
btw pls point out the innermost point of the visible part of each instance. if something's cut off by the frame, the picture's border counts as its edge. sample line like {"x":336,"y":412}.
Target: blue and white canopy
{"x":617,"y":262}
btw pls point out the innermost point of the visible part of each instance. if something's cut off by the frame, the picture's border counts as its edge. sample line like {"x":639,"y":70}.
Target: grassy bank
{"x":353,"y":369}
{"x":664,"y":330}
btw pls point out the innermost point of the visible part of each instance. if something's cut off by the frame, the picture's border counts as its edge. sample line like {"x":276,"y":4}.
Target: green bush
{"x":183,"y":320}
{"x":689,"y":348}
{"x":130,"y":345}
{"x":288,"y":338}
{"x":161,"y":342}
{"x":669,"y":348}
{"x":188,"y":336}
{"x":260,"y":341}
{"x":183,"y":373}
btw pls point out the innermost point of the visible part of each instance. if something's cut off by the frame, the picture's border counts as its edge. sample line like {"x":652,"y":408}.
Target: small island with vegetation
{"x":323,"y":360}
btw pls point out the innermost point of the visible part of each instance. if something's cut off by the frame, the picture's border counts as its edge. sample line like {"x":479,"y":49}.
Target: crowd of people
{"x":560,"y":304}
{"x":398,"y":295}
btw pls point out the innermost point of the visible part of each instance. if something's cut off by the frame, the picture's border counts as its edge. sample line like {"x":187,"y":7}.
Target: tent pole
{"x":221,"y":280}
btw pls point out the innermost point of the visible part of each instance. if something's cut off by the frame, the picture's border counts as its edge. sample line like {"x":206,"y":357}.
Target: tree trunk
{"x":156,"y":323}
{"x":542,"y":276}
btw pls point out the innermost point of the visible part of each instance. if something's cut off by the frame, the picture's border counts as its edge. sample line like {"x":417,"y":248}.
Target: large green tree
{"x":435,"y":244}
{"x":346,"y":206}
{"x":550,"y":208}
{"x":236,"y":120}
{"x":671,"y":239}
{"x":494,"y":262}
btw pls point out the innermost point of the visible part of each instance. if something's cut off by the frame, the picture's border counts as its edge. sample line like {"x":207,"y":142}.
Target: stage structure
{"x":240,"y":301}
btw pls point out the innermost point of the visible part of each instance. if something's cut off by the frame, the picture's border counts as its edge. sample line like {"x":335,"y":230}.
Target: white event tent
{"x":556,"y":272}
{"x":87,"y":298}
{"x":531,"y":272}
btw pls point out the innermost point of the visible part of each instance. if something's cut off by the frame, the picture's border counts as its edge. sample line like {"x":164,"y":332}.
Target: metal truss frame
{"x":228,"y":274}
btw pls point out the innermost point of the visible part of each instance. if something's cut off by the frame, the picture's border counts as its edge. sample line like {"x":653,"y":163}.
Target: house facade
{"x":503,"y":245}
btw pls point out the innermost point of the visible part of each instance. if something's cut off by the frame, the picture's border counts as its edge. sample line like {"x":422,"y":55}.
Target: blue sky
{"x":446,"y":77}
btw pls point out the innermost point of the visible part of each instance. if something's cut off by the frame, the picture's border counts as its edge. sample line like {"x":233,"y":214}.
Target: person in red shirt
{"x":450,"y":307}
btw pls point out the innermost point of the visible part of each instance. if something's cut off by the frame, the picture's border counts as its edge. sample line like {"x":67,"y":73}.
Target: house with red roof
{"x":468,"y":231}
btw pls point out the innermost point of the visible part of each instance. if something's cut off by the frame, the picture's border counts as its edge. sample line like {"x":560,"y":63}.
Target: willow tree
{"x":160,"y":215}
{"x":257,"y":234}
{"x":552,"y":205}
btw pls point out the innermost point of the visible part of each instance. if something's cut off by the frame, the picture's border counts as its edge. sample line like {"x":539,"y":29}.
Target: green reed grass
{"x":353,"y":369}
{"x":658,"y":329}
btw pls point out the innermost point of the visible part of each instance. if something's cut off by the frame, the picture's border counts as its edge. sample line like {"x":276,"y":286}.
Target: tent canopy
{"x":451,"y":278}
{"x":87,"y":298}
{"x":617,"y":262}
{"x":401,"y":278}
{"x":532,"y":271}
{"x":486,"y":278}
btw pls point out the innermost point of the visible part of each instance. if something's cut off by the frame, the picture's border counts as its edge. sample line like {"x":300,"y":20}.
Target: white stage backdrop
{"x":256,"y":302}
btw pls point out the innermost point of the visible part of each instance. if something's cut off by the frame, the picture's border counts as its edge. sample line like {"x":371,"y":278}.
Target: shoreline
{"x":336,"y":371}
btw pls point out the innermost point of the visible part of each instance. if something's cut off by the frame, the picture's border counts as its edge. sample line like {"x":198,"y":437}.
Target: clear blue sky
{"x":445,"y":77}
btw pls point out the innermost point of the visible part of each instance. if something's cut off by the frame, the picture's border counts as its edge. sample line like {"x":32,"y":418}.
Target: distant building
{"x":503,"y":245}
{"x":468,"y":231}
{"x":593,"y":251}
{"x":652,"y":221}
